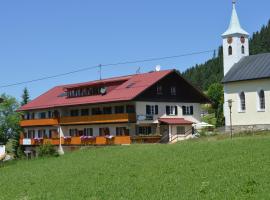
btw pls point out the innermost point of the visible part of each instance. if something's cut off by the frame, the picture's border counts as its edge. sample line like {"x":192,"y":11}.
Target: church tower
{"x":235,"y":42}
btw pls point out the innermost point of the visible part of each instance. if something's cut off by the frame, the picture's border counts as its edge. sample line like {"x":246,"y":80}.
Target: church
{"x":246,"y":81}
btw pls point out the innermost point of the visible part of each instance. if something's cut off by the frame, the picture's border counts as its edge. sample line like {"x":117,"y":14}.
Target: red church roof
{"x":123,"y":88}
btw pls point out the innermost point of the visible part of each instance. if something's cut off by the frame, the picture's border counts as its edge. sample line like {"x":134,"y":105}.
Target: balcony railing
{"x":99,"y":119}
{"x":39,"y":122}
{"x":77,"y":141}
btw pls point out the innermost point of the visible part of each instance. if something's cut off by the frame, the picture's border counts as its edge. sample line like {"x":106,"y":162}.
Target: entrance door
{"x":164,"y":131}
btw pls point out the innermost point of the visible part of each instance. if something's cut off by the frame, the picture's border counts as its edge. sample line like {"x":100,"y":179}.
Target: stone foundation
{"x":242,"y":128}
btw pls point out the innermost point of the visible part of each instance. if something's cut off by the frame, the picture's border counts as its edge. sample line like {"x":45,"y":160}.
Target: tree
{"x":25,"y":97}
{"x":9,"y":119}
{"x":215,"y":94}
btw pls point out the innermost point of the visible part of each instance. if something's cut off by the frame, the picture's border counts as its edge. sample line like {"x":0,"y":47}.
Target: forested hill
{"x":210,"y":72}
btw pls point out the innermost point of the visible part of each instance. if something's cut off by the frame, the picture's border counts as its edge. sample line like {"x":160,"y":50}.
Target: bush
{"x":46,"y":150}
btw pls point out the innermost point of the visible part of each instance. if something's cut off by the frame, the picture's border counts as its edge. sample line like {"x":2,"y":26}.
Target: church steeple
{"x":235,"y":26}
{"x":235,"y":42}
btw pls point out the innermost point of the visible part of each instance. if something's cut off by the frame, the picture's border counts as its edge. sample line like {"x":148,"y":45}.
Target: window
{"x":104,"y":131}
{"x":85,"y":112}
{"x":49,"y":114}
{"x":171,"y":110}
{"x":122,"y":131}
{"x":159,"y":89}
{"x":261,"y":100}
{"x":107,"y":110}
{"x":187,"y":110}
{"x":42,"y":115}
{"x":130,"y":109}
{"x":243,"y":49}
{"x":74,"y":113}
{"x":180,"y":130}
{"x":151,"y":110}
{"x":73,"y":132}
{"x":230,"y":50}
{"x":242,"y":101}
{"x":53,"y":133}
{"x":144,"y":130}
{"x":41,"y":133}
{"x":30,"y":134}
{"x":96,"y":111}
{"x":87,"y":132}
{"x":119,"y":109}
{"x":173,"y":91}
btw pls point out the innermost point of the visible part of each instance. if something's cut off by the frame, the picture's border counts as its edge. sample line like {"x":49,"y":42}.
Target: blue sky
{"x":43,"y":38}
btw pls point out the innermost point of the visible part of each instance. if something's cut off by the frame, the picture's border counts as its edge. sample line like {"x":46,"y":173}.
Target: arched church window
{"x":261,"y":100}
{"x":242,"y":101}
{"x":230,"y":50}
{"x":243,"y":49}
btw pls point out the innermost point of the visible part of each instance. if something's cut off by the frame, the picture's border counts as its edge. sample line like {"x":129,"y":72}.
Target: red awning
{"x":175,"y":121}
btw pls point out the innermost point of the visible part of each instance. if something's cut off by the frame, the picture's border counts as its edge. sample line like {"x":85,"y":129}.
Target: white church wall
{"x":252,"y":115}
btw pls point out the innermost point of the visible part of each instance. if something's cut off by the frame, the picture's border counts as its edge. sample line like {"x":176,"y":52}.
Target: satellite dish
{"x":103,"y":90}
{"x":158,"y":68}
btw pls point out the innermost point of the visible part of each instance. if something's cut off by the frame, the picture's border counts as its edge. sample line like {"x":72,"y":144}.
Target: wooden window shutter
{"x":156,"y":109}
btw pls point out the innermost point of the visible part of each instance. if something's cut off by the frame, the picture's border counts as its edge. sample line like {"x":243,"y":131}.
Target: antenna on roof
{"x":158,"y":68}
{"x":100,"y":68}
{"x":138,"y":71}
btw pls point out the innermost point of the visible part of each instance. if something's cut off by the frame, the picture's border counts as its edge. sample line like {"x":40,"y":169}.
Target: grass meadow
{"x":209,"y":168}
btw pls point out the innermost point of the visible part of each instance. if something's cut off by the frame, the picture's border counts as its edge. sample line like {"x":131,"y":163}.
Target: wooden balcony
{"x":99,"y":119}
{"x":39,"y":122}
{"x":78,"y":141}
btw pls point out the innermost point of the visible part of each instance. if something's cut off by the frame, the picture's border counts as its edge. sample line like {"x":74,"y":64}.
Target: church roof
{"x":250,"y":68}
{"x":235,"y":27}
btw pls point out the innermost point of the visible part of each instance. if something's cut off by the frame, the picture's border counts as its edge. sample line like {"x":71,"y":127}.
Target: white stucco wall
{"x":252,"y":115}
{"x":196,"y":117}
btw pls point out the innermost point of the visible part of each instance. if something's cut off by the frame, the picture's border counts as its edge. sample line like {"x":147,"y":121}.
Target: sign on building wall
{"x":26,"y":141}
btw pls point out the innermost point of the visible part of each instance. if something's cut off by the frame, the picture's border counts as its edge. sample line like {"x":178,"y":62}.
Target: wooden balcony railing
{"x":99,"y":119}
{"x":78,"y":141}
{"x":39,"y":122}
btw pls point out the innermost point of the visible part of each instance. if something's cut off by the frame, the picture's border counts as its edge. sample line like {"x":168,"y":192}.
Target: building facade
{"x":246,"y":81}
{"x":150,"y":107}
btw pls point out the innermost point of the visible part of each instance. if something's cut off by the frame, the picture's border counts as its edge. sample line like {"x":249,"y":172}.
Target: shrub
{"x":46,"y":150}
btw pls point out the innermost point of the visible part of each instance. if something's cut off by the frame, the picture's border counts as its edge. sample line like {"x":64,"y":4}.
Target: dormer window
{"x":159,"y":89}
{"x":230,"y":50}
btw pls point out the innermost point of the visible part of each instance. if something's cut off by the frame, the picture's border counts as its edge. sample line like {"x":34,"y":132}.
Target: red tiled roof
{"x":127,"y":89}
{"x":175,"y":121}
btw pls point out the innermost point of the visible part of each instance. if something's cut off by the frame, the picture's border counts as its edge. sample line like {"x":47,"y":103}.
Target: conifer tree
{"x":25,"y":97}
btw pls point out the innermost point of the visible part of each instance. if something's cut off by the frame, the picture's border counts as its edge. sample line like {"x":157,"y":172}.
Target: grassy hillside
{"x":202,"y":169}
{"x":211,"y":71}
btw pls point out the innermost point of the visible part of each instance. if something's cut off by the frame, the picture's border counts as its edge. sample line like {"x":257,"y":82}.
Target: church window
{"x":242,"y":101}
{"x":261,"y":100}
{"x":243,"y":49}
{"x":230,"y":50}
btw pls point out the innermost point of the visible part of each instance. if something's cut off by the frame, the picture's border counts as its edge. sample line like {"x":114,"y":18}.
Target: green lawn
{"x":201,"y":169}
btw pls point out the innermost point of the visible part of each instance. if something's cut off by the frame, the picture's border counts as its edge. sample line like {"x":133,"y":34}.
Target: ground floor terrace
{"x":165,"y":131}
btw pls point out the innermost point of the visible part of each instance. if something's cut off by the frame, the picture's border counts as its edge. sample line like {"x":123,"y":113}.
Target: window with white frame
{"x":242,"y":102}
{"x":187,"y":110}
{"x":151,"y":110}
{"x":173,"y":91}
{"x":88,"y":132}
{"x":73,"y":132}
{"x":261,"y":100}
{"x":41,"y":133}
{"x":171,"y":110}
{"x":159,"y":89}
{"x":29,"y":134}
